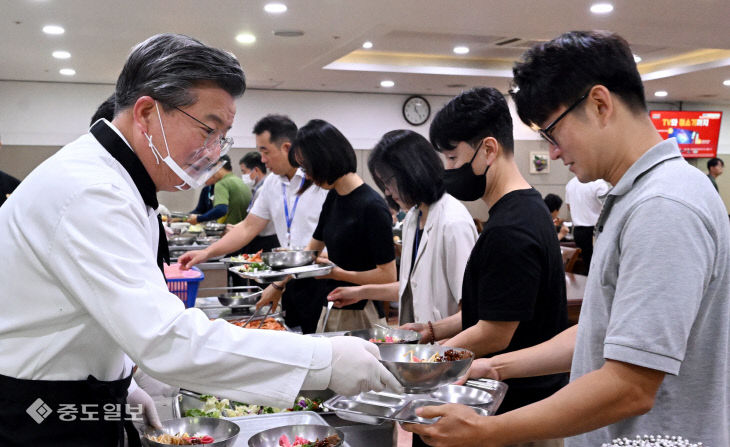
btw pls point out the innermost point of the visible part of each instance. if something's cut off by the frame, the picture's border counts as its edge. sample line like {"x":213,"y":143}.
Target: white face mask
{"x":248,"y":180}
{"x":196,"y":173}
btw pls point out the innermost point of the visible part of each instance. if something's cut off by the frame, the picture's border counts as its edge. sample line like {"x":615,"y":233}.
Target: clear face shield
{"x":202,"y":163}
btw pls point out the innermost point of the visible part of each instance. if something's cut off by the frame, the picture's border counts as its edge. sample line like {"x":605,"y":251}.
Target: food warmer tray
{"x":375,"y":407}
{"x":267,"y":276}
{"x":252,"y":425}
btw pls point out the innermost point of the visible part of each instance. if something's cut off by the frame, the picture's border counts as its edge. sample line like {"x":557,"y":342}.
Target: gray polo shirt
{"x":658,"y":296}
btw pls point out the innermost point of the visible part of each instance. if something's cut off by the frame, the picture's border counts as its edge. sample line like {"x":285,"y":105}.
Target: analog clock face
{"x":416,"y":110}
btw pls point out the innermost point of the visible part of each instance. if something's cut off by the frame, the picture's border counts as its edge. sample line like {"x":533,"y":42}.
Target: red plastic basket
{"x":186,"y":288}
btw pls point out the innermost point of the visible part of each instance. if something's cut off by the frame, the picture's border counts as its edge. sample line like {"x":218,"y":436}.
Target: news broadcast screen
{"x":697,"y":133}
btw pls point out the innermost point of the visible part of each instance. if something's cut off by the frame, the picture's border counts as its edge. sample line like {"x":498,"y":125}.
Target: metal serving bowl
{"x":182,"y":239}
{"x":270,"y":437}
{"x":239,"y":299}
{"x":207,"y":240}
{"x":223,"y":431}
{"x":422,"y":376}
{"x":381,"y":332}
{"x":214,"y":228}
{"x":288,"y":258}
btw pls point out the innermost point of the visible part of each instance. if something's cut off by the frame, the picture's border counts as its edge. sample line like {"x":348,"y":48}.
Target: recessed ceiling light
{"x":275,"y":8}
{"x":61,"y":54}
{"x":367,"y":45}
{"x":246,"y":38}
{"x":461,"y":50}
{"x":601,"y":8}
{"x":387,"y":84}
{"x":661,"y":93}
{"x":726,"y":82}
{"x":637,"y":58}
{"x":53,"y":29}
{"x":67,"y":71}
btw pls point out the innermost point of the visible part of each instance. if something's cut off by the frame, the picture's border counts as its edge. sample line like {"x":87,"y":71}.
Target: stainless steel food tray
{"x":252,"y":425}
{"x":374,"y":408}
{"x":267,"y":276}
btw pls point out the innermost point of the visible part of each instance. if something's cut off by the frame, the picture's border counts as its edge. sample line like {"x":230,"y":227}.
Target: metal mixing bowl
{"x":182,"y":239}
{"x":239,"y":299}
{"x":270,"y":437}
{"x":422,"y":376}
{"x":379,"y":332}
{"x":223,"y":431}
{"x":207,"y":240}
{"x":289,"y":258}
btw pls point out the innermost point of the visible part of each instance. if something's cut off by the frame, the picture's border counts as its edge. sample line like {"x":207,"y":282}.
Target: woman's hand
{"x":420,"y":328}
{"x":344,"y":296}
{"x":270,"y":295}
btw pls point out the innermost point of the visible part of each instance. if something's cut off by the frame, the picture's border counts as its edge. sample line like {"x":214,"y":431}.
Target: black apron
{"x":43,"y":413}
{"x":51,"y":412}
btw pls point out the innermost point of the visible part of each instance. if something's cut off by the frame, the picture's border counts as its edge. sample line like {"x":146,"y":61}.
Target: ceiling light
{"x":637,"y":58}
{"x":53,"y":29}
{"x":461,"y":50}
{"x":275,"y":8}
{"x":61,"y":54}
{"x":387,"y":84}
{"x":601,"y":8}
{"x":289,"y":33}
{"x":367,"y":45}
{"x":246,"y":38}
{"x":67,"y":71}
{"x":661,"y":93}
{"x":726,"y":82}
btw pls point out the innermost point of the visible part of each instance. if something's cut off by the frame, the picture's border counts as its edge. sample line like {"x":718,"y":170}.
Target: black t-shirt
{"x":515,"y":273}
{"x":356,"y":229}
{"x":8,"y":183}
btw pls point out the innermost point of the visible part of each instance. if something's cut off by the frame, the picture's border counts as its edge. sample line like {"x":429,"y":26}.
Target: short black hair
{"x":253,"y":160}
{"x":412,"y":161}
{"x":559,"y":72}
{"x":323,"y":152}
{"x":553,"y":202}
{"x":472,"y":116}
{"x":281,"y":128}
{"x":712,"y":162}
{"x":105,"y":110}
{"x":167,"y":66}
{"x":226,"y":163}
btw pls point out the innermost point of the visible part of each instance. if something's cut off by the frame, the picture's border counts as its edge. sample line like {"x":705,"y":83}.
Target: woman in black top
{"x":354,"y":225}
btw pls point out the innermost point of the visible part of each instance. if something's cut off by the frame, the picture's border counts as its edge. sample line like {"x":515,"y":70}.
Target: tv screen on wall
{"x":696,"y":132}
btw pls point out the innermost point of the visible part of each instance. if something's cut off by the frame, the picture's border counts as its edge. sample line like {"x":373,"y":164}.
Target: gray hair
{"x":166,"y":66}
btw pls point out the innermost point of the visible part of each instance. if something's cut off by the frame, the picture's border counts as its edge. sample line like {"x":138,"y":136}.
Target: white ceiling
{"x":677,"y":39}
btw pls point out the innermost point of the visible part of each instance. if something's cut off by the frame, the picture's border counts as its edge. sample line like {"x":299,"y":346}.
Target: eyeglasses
{"x":215,"y":137}
{"x":545,"y":133}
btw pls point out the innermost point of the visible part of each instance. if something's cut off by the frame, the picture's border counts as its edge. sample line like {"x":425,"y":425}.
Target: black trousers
{"x":583,"y":237}
{"x":302,"y":302}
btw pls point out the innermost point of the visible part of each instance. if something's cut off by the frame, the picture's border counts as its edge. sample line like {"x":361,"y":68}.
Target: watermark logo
{"x":38,"y":410}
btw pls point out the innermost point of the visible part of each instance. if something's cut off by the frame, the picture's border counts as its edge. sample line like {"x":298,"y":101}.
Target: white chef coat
{"x":448,"y":237}
{"x":80,"y":287}
{"x":270,"y":206}
{"x":585,"y":200}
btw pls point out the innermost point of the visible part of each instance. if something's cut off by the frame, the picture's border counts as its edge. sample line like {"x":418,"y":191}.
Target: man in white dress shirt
{"x":85,"y":286}
{"x":585,"y":201}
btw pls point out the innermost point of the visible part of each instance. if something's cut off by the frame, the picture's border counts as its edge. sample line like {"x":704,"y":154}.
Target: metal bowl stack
{"x":403,"y":336}
{"x":182,"y":239}
{"x":270,"y":437}
{"x":214,"y":228}
{"x":289,"y":258}
{"x":238,"y":299}
{"x":420,"y":377}
{"x":224,"y":432}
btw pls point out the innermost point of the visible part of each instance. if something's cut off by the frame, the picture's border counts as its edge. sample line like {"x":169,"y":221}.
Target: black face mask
{"x":463,"y":184}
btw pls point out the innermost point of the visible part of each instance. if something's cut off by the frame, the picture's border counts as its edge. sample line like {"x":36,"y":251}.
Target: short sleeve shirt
{"x":659,"y":297}
{"x":356,"y":229}
{"x":515,"y":273}
{"x":231,"y":191}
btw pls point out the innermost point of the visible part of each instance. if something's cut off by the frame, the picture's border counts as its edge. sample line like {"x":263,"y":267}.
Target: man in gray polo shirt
{"x":651,"y":354}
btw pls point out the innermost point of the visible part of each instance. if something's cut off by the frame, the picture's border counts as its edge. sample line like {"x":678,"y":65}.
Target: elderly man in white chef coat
{"x":83,"y":285}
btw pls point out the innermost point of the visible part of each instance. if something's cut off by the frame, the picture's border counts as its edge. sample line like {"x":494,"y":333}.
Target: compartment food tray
{"x":374,"y":407}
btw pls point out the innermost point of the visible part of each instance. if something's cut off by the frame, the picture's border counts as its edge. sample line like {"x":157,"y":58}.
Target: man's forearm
{"x":551,"y":357}
{"x":614,"y":392}
{"x":447,"y":327}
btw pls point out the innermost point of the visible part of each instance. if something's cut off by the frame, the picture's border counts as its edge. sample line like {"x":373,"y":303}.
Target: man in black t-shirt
{"x":513,"y":294}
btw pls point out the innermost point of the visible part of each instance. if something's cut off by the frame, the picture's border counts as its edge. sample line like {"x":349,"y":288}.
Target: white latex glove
{"x":140,"y":397}
{"x":154,"y":387}
{"x":356,"y":369}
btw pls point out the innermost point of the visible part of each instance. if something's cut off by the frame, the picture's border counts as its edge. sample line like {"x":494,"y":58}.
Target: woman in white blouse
{"x":438,"y":232}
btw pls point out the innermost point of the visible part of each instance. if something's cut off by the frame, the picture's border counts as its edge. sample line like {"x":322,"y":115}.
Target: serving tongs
{"x":268,"y":312}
